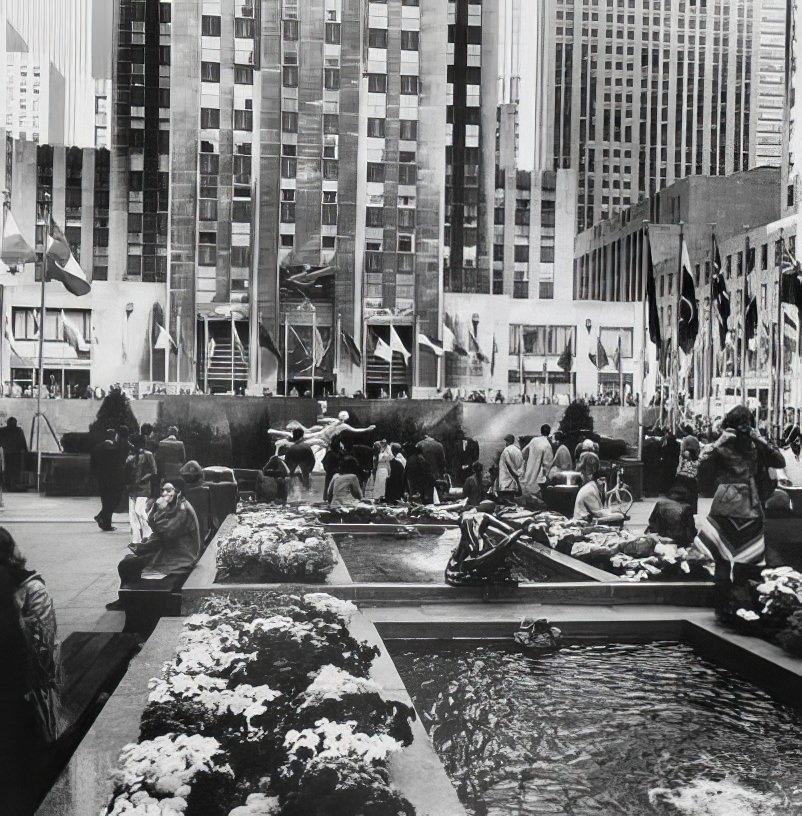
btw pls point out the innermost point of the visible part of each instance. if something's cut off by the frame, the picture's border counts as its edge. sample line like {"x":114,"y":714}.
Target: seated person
{"x":198,"y":494}
{"x":271,"y":484}
{"x":589,"y":504}
{"x":562,"y":456}
{"x":476,"y":485}
{"x":588,"y":465}
{"x":344,"y":488}
{"x":168,"y":556}
{"x":673,"y":517}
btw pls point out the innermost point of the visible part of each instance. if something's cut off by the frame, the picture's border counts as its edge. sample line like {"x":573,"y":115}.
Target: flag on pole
{"x":72,"y":334}
{"x":688,"y":328}
{"x":493,"y":354}
{"x":450,"y":342}
{"x":266,"y":342}
{"x":599,"y":359}
{"x":62,"y":266}
{"x":790,"y":282}
{"x":397,"y":345}
{"x":319,"y":348}
{"x":721,"y":297}
{"x":750,"y":299}
{"x":423,"y":340}
{"x":163,"y":339}
{"x":238,"y":342}
{"x":651,"y":297}
{"x":383,"y":351}
{"x":476,"y":349}
{"x":14,"y":249}
{"x":351,"y":347}
{"x":566,"y":359}
{"x":617,"y":356}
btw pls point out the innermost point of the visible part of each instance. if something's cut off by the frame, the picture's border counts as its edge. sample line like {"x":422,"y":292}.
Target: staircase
{"x":219,"y":373}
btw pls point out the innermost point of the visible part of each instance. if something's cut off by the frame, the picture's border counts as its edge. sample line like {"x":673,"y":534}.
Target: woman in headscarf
{"x":172,"y":550}
{"x":29,"y":689}
{"x":733,"y":532}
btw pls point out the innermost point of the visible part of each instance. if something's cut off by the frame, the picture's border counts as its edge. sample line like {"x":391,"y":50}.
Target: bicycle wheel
{"x":620,"y":500}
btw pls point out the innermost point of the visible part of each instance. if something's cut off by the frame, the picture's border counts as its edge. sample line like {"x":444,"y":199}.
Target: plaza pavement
{"x":79,"y":562}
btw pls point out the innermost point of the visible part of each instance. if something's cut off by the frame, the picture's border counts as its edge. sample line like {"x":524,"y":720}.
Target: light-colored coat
{"x":510,"y":468}
{"x":537,"y":457}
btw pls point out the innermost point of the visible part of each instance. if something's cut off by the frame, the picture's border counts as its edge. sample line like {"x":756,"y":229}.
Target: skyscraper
{"x":648,"y":93}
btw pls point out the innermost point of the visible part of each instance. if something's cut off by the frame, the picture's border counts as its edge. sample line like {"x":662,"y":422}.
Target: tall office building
{"x":56,"y":59}
{"x":648,"y":93}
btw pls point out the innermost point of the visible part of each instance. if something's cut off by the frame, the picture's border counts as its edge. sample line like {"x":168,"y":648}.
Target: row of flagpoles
{"x":58,"y":264}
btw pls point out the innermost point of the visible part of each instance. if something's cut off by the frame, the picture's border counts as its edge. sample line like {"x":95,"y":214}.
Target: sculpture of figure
{"x":480,"y":556}
{"x":537,"y":634}
{"x":319,"y":436}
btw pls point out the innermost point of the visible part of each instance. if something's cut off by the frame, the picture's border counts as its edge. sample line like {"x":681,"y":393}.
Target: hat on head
{"x":509,"y":438}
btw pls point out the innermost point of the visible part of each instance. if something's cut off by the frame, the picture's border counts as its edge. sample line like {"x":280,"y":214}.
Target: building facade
{"x":647,"y":94}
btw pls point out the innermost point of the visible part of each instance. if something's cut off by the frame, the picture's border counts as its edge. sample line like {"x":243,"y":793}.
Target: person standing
{"x":12,"y":440}
{"x":537,"y":456}
{"x":300,"y":458}
{"x":381,"y":469}
{"x":394,"y":487}
{"x":331,"y":462}
{"x":510,"y":470}
{"x":419,"y":476}
{"x":170,"y":455}
{"x":140,"y":467}
{"x":562,"y":456}
{"x":435,"y":454}
{"x":475,"y":488}
{"x":107,"y":466}
{"x":733,"y":531}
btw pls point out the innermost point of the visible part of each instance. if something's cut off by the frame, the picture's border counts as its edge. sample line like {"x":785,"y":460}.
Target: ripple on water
{"x":602,"y":730}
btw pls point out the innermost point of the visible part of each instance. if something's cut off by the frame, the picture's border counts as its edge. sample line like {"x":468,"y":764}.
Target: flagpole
{"x":645,"y":247}
{"x":710,"y":317}
{"x":205,"y":354}
{"x":780,"y":409}
{"x":286,"y":354}
{"x":416,"y":330}
{"x":392,"y":354}
{"x":338,"y":353}
{"x":675,"y":373}
{"x":231,"y":315}
{"x":314,"y":345}
{"x":364,"y":355}
{"x":620,"y":373}
{"x":744,"y":313}
{"x":6,"y":206}
{"x":47,"y":215}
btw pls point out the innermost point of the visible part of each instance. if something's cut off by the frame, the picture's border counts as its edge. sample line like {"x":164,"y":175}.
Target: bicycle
{"x":619,"y":499}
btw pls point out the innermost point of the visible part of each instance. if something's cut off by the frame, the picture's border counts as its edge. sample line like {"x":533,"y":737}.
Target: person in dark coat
{"x":467,"y":454}
{"x":420,"y":478}
{"x":435,"y":454}
{"x":170,"y":455}
{"x":107,"y":462}
{"x":171,"y":552}
{"x":198,"y":494}
{"x":140,"y":467}
{"x":273,"y":481}
{"x":12,"y":440}
{"x":331,"y":462}
{"x":300,"y":457}
{"x":476,"y":486}
{"x":364,"y":457}
{"x":394,"y":486}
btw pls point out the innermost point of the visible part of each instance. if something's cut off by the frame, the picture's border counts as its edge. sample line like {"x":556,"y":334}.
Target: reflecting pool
{"x":602,"y":730}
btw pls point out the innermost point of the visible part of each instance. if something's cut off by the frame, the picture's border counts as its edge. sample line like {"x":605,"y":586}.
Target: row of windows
{"x":210,"y":26}
{"x":210,"y":72}
{"x":26,"y":323}
{"x":210,"y":119}
{"x":377,"y":38}
{"x":544,"y":340}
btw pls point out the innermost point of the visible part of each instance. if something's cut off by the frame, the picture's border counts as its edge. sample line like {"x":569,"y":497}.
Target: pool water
{"x":417,"y":557}
{"x":603,"y":730}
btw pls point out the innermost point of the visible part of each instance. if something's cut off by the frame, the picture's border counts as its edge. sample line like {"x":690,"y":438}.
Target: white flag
{"x":383,"y":351}
{"x":423,"y":340}
{"x":163,"y":341}
{"x":397,"y":345}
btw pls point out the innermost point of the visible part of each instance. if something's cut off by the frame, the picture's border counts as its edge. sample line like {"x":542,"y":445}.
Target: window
{"x":243,"y":120}
{"x":289,"y":30}
{"x":210,"y":26}
{"x":289,"y":76}
{"x":374,"y":217}
{"x":207,"y":210}
{"x":375,"y":172}
{"x":377,"y":83}
{"x":243,"y":28}
{"x":609,"y":339}
{"x":165,"y":12}
{"x":521,"y":253}
{"x":409,"y":130}
{"x":241,"y":212}
{"x":329,"y":212}
{"x":330,"y":169}
{"x":544,"y":340}
{"x":405,"y":243}
{"x":409,"y":40}
{"x":331,"y":79}
{"x":546,"y":290}
{"x":546,"y":254}
{"x":407,"y":173}
{"x":331,"y":124}
{"x":210,"y":71}
{"x":289,"y":122}
{"x":209,"y":163}
{"x":333,"y":33}
{"x":288,"y":167}
{"x":287,"y":212}
{"x":377,"y":38}
{"x":240,"y":256}
{"x":406,"y":218}
{"x":409,"y":84}
{"x":376,"y":128}
{"x":243,"y":75}
{"x":210,"y":118}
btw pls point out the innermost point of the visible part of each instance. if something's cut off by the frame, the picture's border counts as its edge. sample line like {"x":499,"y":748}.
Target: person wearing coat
{"x":198,"y":493}
{"x":30,"y":704}
{"x":394,"y":487}
{"x":107,"y":462}
{"x":12,"y":440}
{"x":140,"y":467}
{"x":344,"y":488}
{"x":435,"y":454}
{"x":510,"y":470}
{"x":171,"y":552}
{"x":537,"y":456}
